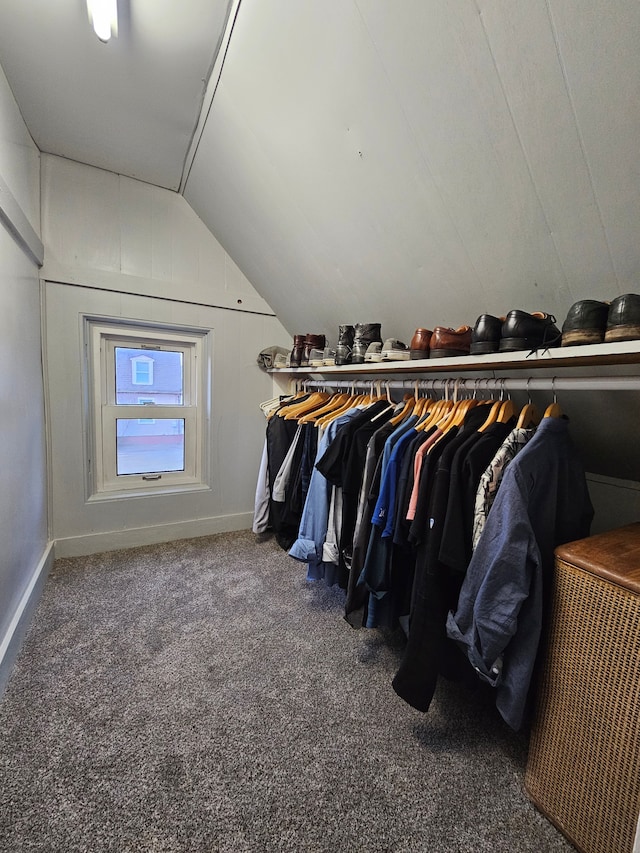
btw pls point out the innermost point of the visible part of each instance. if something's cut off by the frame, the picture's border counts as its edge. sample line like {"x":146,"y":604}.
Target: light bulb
{"x":103,"y":14}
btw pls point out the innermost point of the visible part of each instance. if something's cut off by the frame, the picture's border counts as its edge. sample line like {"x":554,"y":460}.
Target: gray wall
{"x":418,"y":163}
{"x":25,"y":553}
{"x":120,"y":248}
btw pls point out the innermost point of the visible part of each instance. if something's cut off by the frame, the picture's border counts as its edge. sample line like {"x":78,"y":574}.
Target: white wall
{"x":130,"y":250}
{"x":417,"y":164}
{"x":25,"y":553}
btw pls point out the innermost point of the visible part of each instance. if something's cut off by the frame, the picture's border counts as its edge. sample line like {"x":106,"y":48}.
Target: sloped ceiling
{"x":129,"y":106}
{"x":423,"y":162}
{"x":411,"y":163}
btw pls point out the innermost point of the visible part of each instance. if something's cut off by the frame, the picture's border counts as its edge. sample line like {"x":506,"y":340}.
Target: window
{"x":142,"y":370}
{"x":130,"y":450}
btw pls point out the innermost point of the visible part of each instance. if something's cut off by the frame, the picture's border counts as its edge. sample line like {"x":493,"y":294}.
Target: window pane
{"x":143,"y":448}
{"x":159,"y":371}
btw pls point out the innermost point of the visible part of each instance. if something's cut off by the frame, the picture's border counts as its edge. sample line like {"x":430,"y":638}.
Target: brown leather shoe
{"x":449,"y":343}
{"x":419,"y":345}
{"x":295,"y":359}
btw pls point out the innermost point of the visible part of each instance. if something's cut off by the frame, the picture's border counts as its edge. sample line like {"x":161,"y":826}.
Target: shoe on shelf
{"x":522,"y":330}
{"x":585,"y":323}
{"x":329,"y":357}
{"x":485,"y":337}
{"x":395,"y":350}
{"x":374,"y":352}
{"x":295,"y":359}
{"x":311,"y":342}
{"x":364,"y":334}
{"x":450,"y":343}
{"x":316,"y":357}
{"x":345,"y":344}
{"x":419,"y":346}
{"x":623,"y":323}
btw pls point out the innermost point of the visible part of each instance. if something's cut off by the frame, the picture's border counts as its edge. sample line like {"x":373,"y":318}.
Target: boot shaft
{"x":365,"y":334}
{"x":345,"y":344}
{"x":295,"y":360}
{"x":312,"y":342}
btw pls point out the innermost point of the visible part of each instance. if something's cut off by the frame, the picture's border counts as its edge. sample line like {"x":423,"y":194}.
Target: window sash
{"x":110,"y":414}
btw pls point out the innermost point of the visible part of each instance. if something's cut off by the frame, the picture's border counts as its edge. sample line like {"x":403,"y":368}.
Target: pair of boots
{"x":302,"y":346}
{"x":353,"y":342}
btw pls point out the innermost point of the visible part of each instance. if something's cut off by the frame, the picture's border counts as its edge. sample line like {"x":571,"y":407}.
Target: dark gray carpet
{"x":202,"y":696}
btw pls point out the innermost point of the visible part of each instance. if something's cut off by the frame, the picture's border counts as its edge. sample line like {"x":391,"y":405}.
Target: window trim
{"x":101,"y":337}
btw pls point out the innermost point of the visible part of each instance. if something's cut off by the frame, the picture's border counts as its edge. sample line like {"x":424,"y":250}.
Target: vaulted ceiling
{"x":410,"y":164}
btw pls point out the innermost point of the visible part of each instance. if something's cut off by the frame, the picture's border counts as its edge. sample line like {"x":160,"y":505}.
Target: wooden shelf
{"x":627,"y":352}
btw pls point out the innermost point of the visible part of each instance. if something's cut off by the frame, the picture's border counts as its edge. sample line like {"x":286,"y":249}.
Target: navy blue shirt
{"x":542,"y":502}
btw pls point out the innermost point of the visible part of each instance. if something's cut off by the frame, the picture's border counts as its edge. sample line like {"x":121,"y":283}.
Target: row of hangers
{"x":321,"y":407}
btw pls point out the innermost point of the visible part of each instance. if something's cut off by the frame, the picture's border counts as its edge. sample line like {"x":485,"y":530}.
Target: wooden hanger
{"x":349,"y":403}
{"x":409,"y":406}
{"x":492,"y":417}
{"x":553,"y":411}
{"x":528,"y":416}
{"x":292,"y":412}
{"x":507,"y":411}
{"x":436,"y":412}
{"x":335,"y":402}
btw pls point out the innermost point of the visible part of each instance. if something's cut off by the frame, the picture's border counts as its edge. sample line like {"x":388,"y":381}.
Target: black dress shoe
{"x":529,"y":331}
{"x":486,"y":334}
{"x":623,"y":323}
{"x":585,"y":323}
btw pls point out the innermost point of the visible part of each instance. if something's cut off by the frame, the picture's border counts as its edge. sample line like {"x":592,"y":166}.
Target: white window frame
{"x":143,"y":401}
{"x":101,"y":339}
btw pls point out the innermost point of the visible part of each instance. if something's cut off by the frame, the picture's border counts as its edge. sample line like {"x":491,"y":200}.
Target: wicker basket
{"x":583,"y":770}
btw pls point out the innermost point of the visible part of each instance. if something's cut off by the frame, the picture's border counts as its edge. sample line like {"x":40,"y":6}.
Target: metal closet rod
{"x":552,"y":383}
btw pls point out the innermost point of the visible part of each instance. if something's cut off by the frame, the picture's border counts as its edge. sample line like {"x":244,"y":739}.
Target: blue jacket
{"x":542,"y":502}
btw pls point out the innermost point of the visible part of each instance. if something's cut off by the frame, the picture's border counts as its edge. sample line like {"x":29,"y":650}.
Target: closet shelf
{"x":626,"y":352}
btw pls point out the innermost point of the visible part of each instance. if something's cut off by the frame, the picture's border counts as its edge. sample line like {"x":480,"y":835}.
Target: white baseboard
{"x":97,"y":543}
{"x":12,"y":640}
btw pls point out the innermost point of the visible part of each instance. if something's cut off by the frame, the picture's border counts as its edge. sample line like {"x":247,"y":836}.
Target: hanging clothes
{"x":492,"y":477}
{"x":434,"y":590}
{"x":312,"y":531}
{"x":335,"y":466}
{"x":391,"y":512}
{"x":261,"y":502}
{"x":543,"y":502}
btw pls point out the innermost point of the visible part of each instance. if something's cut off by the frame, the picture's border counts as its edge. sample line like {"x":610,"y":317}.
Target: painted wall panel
{"x":19,"y":157}
{"x":105,"y":230}
{"x":320,"y":193}
{"x":444,"y":75}
{"x":599,"y":46}
{"x":237,"y":387}
{"x":524,"y":47}
{"x":425,"y":165}
{"x":136,"y":229}
{"x":23,"y":495}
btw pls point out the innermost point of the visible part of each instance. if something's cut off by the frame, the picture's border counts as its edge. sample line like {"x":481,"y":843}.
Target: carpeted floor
{"x":201,"y":696}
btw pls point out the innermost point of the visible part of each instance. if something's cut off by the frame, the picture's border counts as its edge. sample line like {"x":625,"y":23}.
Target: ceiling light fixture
{"x":103,"y":14}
